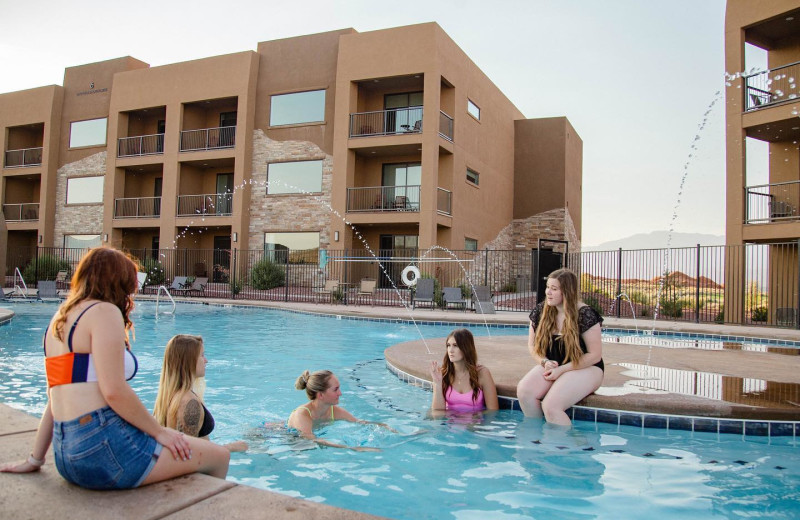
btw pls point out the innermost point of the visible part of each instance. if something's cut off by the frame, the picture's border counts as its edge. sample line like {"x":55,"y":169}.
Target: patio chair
{"x":401,"y":202}
{"x":786,"y":316}
{"x":141,"y":278}
{"x":482,"y":300}
{"x":331,"y":286}
{"x":367,"y":289}
{"x":62,"y":280}
{"x":198,"y":285}
{"x":452,"y":296}
{"x":423,"y":292}
{"x":47,"y":290}
{"x":179,"y":285}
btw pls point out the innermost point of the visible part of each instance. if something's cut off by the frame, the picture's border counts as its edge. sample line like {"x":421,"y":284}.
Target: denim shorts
{"x":100,"y":450}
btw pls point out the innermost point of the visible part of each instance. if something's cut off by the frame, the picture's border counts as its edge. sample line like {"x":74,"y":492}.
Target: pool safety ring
{"x":407,"y":271}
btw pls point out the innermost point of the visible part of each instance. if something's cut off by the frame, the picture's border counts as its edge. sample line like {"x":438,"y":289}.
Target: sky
{"x":639,"y":80}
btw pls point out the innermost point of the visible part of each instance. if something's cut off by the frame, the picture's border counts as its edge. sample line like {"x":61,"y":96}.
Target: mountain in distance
{"x":658,"y":240}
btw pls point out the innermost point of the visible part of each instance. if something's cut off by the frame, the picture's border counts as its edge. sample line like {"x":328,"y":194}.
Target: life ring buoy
{"x":410,"y":282}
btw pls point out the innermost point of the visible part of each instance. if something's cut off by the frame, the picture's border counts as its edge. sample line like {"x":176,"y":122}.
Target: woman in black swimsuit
{"x":564,"y":339}
{"x":177,"y":406}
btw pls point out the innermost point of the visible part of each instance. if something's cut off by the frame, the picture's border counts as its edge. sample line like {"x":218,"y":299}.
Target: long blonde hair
{"x":177,"y":376}
{"x":549,"y":326}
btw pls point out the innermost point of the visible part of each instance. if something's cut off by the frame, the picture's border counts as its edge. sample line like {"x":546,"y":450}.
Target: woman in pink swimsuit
{"x":461,"y":384}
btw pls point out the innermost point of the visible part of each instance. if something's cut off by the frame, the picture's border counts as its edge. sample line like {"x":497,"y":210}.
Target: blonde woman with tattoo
{"x":177,"y":406}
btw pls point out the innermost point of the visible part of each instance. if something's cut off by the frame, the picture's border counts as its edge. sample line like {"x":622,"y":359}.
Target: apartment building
{"x":391,"y":139}
{"x":763,"y":107}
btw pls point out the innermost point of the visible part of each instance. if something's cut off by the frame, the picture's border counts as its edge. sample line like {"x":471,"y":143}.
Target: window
{"x":81,"y":241}
{"x":85,"y":190}
{"x":473,"y":176}
{"x":470,"y":244}
{"x":87,"y":133}
{"x":302,"y":247}
{"x":294,"y":177}
{"x":473,"y":109}
{"x":297,"y":108}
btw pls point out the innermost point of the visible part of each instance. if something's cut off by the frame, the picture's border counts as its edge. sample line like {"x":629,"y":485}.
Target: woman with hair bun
{"x":322,"y":388}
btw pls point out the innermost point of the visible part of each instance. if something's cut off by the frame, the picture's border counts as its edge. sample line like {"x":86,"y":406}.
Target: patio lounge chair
{"x":482,"y":300}
{"x":141,"y":278}
{"x":47,"y":290}
{"x":179,"y":285}
{"x":62,"y":280}
{"x":331,"y":286}
{"x":198,"y":285}
{"x":367,"y":289}
{"x":423,"y":292}
{"x":452,"y":296}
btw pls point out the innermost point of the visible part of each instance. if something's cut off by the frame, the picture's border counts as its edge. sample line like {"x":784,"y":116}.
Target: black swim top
{"x":587,"y":318}
{"x":208,"y":422}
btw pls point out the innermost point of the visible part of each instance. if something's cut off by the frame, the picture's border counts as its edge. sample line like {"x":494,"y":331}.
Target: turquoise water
{"x":464,"y":467}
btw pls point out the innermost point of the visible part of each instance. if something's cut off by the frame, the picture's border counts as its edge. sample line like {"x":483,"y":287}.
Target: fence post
{"x":36,"y":267}
{"x":486,"y":268}
{"x":697,"y":289}
{"x":232,"y":279}
{"x":286,"y":278}
{"x":797,"y":308}
{"x":619,"y":282}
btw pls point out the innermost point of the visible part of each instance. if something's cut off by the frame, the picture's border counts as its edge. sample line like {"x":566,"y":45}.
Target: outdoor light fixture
{"x":335,"y":236}
{"x":41,"y":238}
{"x":105,"y":237}
{"x":235,"y":236}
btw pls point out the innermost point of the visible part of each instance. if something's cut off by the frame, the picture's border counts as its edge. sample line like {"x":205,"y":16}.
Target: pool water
{"x":499,"y":465}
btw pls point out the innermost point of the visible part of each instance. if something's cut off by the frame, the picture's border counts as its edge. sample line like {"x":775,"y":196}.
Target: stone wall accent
{"x":554,"y":224}
{"x":85,"y":219}
{"x":300,"y":212}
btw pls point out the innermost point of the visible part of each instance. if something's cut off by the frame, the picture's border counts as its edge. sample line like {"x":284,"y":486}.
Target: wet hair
{"x":104,"y":274}
{"x":568,"y":282}
{"x":466,"y":343}
{"x":177,"y":376}
{"x":314,"y":383}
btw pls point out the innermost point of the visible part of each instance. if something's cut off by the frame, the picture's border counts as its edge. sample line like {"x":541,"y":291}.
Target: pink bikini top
{"x":458,"y":402}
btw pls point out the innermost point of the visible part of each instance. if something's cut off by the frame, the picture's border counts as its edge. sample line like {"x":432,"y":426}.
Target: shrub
{"x":760,"y":314}
{"x":236,"y":286}
{"x":672,"y":307}
{"x":720,"y":315}
{"x":154,"y":270}
{"x":592,"y":302}
{"x":46,"y":267}
{"x":510,"y":287}
{"x":267,"y":275}
{"x":639,"y":297}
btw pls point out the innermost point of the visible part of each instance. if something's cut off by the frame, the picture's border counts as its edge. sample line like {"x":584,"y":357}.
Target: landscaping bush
{"x":720,"y":315}
{"x":155,"y":271}
{"x":236,"y":286}
{"x":592,"y":302}
{"x":760,"y":314}
{"x":46,"y":267}
{"x":672,"y":307}
{"x":267,"y":275}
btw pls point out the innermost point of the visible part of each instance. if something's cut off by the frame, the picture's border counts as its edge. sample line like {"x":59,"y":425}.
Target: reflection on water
{"x":697,"y":343}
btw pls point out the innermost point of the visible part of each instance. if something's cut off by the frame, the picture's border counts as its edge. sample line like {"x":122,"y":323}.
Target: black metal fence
{"x":755,"y":284}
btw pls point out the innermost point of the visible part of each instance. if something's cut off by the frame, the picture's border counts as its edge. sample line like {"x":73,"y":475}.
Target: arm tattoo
{"x":192,"y":418}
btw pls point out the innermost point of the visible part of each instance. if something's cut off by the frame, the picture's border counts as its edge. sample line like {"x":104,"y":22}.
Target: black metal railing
{"x":445,"y":126}
{"x":386,"y":122}
{"x":383,"y":198}
{"x":21,"y":212}
{"x":208,"y":139}
{"x":444,"y":201}
{"x":23,"y":157}
{"x":772,"y":87}
{"x":137,"y":207}
{"x":212,"y":204}
{"x":140,"y":145}
{"x":772,"y":202}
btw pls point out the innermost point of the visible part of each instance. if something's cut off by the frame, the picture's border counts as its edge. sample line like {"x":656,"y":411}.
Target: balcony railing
{"x":444,"y":200}
{"x":772,"y":202}
{"x":26,"y":212}
{"x":772,"y":87}
{"x":141,"y":145}
{"x":23,"y":157}
{"x":445,"y":126}
{"x":210,"y":204}
{"x":383,"y":198}
{"x":386,"y":122}
{"x":137,"y":207}
{"x":208,"y":138}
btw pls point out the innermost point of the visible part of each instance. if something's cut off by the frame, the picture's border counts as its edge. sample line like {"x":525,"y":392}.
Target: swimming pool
{"x":501,"y":466}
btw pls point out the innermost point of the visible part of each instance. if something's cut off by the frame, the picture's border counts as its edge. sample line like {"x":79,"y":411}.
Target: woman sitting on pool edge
{"x":461,"y":384}
{"x":322,"y":388}
{"x":177,"y":405}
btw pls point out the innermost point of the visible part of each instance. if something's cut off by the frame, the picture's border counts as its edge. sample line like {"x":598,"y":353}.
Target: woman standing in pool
{"x":322,"y":388}
{"x":177,"y":406}
{"x":461,"y":384}
{"x":564,"y":339}
{"x":103,"y":437}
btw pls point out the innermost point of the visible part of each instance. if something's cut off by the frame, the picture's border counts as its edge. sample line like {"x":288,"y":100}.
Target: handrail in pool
{"x":158,"y":298}
{"x":17,"y":288}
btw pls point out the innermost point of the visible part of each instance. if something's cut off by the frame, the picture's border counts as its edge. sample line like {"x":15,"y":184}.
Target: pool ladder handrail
{"x":158,"y":298}
{"x":17,"y":288}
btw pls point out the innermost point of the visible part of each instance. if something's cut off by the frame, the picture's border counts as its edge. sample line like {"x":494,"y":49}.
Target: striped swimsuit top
{"x":77,"y":367}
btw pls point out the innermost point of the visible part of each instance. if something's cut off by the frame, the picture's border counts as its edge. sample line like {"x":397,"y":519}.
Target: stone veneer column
{"x":79,"y":219}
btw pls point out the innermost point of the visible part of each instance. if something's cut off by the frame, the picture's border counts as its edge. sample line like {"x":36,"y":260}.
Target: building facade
{"x":327,"y":141}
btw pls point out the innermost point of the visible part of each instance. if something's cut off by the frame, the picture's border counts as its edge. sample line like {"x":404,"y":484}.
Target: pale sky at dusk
{"x":634,"y":77}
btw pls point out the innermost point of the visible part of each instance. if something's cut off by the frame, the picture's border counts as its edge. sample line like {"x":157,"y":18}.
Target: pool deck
{"x":46,"y":495}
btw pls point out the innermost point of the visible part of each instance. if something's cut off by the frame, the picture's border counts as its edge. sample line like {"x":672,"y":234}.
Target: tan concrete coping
{"x":5,"y":315}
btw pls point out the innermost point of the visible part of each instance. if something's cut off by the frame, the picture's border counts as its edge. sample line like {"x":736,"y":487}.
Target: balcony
{"x":772,"y":87}
{"x":394,"y":121}
{"x":24,"y":157}
{"x":141,"y":145}
{"x":444,"y":200}
{"x":777,"y":202}
{"x":208,"y":139}
{"x":445,"y":126}
{"x":137,"y":207}
{"x":210,"y":204}
{"x":26,"y":212}
{"x":383,"y":199}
